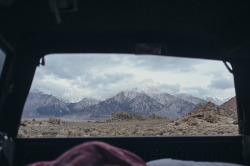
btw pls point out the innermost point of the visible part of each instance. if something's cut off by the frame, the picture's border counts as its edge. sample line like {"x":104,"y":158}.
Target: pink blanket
{"x":95,"y":154}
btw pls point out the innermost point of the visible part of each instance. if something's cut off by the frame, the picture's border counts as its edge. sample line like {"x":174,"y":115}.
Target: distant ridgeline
{"x":40,"y":105}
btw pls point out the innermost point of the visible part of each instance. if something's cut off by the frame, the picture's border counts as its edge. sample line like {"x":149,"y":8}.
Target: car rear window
{"x":84,"y":95}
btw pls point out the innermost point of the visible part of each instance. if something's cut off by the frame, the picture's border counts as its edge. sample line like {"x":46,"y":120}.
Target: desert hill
{"x":229,"y":108}
{"x":209,"y":113}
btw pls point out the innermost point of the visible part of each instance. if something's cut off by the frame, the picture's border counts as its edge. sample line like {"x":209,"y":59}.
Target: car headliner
{"x":194,"y":28}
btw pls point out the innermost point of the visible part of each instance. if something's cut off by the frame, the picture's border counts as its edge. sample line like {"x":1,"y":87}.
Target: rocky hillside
{"x":226,"y":113}
{"x":229,"y":108}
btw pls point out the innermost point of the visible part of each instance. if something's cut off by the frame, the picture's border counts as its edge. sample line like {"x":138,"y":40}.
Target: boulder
{"x":192,"y":121}
{"x":153,"y":116}
{"x":210,"y":117}
{"x":123,"y":116}
{"x":181,"y":120}
{"x":53,"y":120}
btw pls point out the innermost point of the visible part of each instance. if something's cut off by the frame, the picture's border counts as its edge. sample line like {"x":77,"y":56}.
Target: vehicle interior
{"x":29,"y":30}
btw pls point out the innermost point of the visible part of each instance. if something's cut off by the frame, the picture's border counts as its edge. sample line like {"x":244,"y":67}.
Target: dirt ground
{"x":160,"y":127}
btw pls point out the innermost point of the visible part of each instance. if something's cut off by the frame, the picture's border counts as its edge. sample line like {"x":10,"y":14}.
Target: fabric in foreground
{"x":95,"y":154}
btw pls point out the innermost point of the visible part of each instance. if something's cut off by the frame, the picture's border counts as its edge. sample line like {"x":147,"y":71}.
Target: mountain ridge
{"x":39,"y":104}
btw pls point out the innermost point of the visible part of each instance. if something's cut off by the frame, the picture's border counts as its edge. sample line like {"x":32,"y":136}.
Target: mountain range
{"x":41,"y":105}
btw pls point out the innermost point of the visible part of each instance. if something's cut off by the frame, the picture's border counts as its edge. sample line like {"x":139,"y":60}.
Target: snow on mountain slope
{"x":190,"y":98}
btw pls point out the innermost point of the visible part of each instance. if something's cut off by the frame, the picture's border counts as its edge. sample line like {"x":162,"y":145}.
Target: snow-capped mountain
{"x":85,"y":102}
{"x":152,"y":88}
{"x":124,"y":96}
{"x":138,"y":103}
{"x":203,"y":100}
{"x":39,"y":104}
{"x":215,"y":100}
{"x":164,"y":98}
{"x":190,"y":98}
{"x":148,"y":86}
{"x":70,"y":99}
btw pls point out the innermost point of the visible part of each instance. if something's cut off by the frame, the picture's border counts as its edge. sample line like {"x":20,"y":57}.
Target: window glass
{"x":82,"y":95}
{"x":2,"y":60}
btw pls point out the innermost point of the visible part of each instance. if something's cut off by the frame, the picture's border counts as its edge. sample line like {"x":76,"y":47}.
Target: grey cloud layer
{"x":70,"y":67}
{"x":222,"y":83}
{"x":167,"y":63}
{"x":172,"y":89}
{"x":197,"y":91}
{"x":93,"y":81}
{"x":106,"y":75}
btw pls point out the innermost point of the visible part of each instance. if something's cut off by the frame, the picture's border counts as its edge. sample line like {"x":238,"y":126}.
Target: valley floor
{"x":156,"y":127}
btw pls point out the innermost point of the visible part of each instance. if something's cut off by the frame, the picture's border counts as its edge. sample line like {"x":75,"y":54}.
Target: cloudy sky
{"x":104,"y":75}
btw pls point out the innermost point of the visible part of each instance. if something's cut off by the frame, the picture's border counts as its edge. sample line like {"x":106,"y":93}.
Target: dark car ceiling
{"x":194,"y":28}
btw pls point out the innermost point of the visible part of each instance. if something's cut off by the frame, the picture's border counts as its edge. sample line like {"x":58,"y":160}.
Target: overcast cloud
{"x":104,"y":75}
{"x":222,"y":83}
